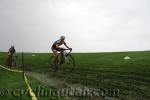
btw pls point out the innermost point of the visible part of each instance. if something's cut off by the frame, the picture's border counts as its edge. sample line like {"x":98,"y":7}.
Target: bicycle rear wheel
{"x":54,"y":64}
{"x":51,"y":63}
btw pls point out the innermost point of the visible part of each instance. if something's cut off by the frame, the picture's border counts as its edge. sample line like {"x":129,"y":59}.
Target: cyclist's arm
{"x":8,"y":52}
{"x":14,"y":52}
{"x":66,"y":45}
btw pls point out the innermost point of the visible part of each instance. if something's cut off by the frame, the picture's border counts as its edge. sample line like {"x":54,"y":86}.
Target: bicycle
{"x":65,"y":61}
{"x":11,"y":61}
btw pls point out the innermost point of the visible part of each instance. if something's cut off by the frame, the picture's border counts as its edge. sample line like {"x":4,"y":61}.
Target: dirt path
{"x":56,"y":83}
{"x":47,"y":80}
{"x":60,"y":84}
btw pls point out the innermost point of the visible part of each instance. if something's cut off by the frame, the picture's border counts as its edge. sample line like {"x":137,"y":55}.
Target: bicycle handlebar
{"x":67,"y":49}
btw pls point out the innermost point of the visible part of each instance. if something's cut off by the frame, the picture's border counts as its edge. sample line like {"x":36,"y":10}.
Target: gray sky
{"x":89,"y":25}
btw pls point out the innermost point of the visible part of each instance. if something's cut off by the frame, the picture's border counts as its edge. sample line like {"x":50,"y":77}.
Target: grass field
{"x":97,"y":70}
{"x":13,"y":87}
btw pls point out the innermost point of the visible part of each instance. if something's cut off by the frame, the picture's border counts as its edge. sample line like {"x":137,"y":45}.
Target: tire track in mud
{"x":61,"y":84}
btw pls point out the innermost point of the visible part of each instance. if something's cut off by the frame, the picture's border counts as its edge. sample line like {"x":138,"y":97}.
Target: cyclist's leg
{"x":55,"y":55}
{"x":9,"y":61}
{"x":55,"y":59}
{"x":13,"y":62}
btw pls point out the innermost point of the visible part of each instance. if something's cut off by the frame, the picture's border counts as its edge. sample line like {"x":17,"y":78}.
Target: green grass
{"x":101,"y":70}
{"x":12,"y":81}
{"x":16,"y":89}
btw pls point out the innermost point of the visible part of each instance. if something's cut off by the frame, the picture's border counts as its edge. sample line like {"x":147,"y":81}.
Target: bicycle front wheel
{"x":69,"y":64}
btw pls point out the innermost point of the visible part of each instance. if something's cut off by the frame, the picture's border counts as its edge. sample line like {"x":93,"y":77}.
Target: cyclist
{"x":56,"y":47}
{"x":11,"y":59}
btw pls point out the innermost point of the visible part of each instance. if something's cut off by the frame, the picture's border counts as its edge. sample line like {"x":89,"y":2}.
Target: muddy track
{"x":60,"y":84}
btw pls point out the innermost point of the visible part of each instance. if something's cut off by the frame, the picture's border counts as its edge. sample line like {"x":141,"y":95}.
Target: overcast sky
{"x":89,"y":25}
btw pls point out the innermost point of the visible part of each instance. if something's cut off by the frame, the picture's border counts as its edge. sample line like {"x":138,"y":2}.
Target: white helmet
{"x":62,"y":37}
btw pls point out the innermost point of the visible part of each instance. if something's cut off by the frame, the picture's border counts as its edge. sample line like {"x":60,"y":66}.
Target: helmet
{"x":12,"y":46}
{"x":62,"y":37}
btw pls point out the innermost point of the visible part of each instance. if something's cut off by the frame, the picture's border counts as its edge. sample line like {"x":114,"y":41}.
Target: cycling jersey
{"x":11,"y":51}
{"x":58,"y":42}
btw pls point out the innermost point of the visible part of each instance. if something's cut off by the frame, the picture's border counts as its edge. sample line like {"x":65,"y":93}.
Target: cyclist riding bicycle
{"x":56,"y":47}
{"x":11,"y":53}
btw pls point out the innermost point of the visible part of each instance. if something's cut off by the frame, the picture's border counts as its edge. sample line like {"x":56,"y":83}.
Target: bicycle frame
{"x":64,"y":55}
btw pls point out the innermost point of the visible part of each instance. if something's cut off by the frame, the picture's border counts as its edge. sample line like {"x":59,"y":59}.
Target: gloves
{"x":70,"y":49}
{"x":61,"y":49}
